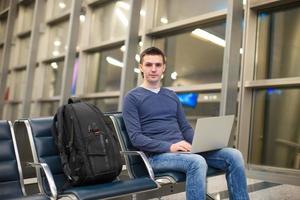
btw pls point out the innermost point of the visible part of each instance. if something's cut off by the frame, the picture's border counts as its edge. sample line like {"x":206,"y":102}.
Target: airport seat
{"x":11,"y":178}
{"x":137,"y":167}
{"x":45,"y":151}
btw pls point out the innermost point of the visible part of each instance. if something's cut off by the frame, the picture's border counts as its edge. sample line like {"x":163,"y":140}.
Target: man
{"x":156,"y":124}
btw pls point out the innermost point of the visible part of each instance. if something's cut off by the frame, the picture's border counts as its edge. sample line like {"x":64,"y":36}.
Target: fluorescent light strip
{"x":208,"y":36}
{"x":114,"y":61}
{"x":122,"y":17}
{"x":124,"y":5}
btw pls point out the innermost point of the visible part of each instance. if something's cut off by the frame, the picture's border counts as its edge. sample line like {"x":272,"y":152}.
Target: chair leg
{"x":209,"y":197}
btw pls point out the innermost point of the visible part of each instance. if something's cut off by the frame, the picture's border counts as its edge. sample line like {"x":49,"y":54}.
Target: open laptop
{"x":212,"y":133}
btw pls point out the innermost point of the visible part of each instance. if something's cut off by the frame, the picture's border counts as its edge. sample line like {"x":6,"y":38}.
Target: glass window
{"x":25,"y":21}
{"x":49,"y":108}
{"x":105,"y":104}
{"x":104,"y":71}
{"x":57,"y":42}
{"x":275,"y":129}
{"x":4,"y":4}
{"x":1,"y":52}
{"x":13,"y":53}
{"x":278,"y":46}
{"x":58,"y":7}
{"x":53,"y":79}
{"x":168,"y":10}
{"x":2,"y":29}
{"x":197,"y":105}
{"x":23,"y":51}
{"x":19,"y":84}
{"x":192,"y":57}
{"x":15,"y":111}
{"x":109,"y":21}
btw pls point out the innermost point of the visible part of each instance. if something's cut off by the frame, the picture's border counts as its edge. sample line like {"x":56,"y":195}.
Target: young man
{"x":156,"y":124}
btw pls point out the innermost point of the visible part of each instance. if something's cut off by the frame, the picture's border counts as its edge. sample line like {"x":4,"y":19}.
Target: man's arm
{"x":133,"y":126}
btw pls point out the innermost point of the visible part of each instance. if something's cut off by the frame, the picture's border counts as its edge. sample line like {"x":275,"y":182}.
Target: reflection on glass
{"x":104,"y":71}
{"x":194,"y":57}
{"x":167,"y":10}
{"x":197,"y":105}
{"x":276,"y":129}
{"x":49,"y":108}
{"x":23,"y":51}
{"x":4,"y":4}
{"x":15,"y":111}
{"x":278,"y":46}
{"x":57,"y":42}
{"x":2,"y":29}
{"x":19,"y":84}
{"x":53,"y":79}
{"x":113,"y":23}
{"x":26,"y":13}
{"x":59,"y":7}
{"x":105,"y":104}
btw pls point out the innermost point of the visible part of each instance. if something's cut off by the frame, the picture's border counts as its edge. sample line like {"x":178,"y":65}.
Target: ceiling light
{"x":208,"y":36}
{"x":62,"y":5}
{"x":122,"y":17}
{"x":164,"y":20}
{"x":82,"y":18}
{"x":122,"y":4}
{"x":174,"y":75}
{"x":122,"y":48}
{"x":114,"y":61}
{"x":136,"y":70}
{"x":137,"y":58}
{"x":141,"y":44}
{"x":143,"y":13}
{"x":55,"y":53}
{"x":54,"y":65}
{"x":57,"y":43}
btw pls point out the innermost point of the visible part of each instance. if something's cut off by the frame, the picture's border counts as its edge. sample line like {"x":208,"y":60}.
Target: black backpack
{"x":88,"y":150}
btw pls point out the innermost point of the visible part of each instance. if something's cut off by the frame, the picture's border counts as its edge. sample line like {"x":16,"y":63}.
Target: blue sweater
{"x":155,"y":121}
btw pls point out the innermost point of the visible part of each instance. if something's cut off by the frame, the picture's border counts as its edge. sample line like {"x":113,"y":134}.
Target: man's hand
{"x":181,"y":146}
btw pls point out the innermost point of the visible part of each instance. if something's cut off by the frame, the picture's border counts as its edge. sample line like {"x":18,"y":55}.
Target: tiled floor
{"x":258,"y":190}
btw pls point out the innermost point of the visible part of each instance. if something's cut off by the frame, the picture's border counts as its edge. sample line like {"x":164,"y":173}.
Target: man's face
{"x":153,"y":68}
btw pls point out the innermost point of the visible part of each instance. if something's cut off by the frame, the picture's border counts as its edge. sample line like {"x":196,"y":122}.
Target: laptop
{"x":212,"y":133}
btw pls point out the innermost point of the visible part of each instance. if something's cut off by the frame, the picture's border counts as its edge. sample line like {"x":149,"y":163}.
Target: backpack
{"x":88,"y":150}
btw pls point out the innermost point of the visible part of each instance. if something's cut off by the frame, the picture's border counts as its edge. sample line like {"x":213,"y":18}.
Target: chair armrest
{"x":49,"y":177}
{"x":145,"y":159}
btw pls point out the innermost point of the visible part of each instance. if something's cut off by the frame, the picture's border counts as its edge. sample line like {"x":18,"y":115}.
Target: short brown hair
{"x":152,"y":51}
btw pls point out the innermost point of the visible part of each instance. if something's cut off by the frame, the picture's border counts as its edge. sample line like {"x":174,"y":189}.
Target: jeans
{"x":195,"y":167}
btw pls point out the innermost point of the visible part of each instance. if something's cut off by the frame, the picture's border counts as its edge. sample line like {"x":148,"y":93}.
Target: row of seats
{"x":51,"y":179}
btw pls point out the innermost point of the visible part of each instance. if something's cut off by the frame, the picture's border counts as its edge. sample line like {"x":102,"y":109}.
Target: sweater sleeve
{"x":133,"y":127}
{"x":185,"y":127}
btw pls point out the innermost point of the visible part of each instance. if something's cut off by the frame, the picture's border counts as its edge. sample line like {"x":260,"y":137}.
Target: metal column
{"x":231,"y":61}
{"x":131,"y":43}
{"x":39,"y":10}
{"x":71,"y":52}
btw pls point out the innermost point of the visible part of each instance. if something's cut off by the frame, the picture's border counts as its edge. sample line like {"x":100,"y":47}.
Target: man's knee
{"x":235,"y":156}
{"x":199,"y":162}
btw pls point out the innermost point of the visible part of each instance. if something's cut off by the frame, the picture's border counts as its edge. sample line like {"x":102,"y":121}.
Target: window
{"x":192,"y":58}
{"x":25,"y":22}
{"x":167,"y":10}
{"x":57,"y":42}
{"x":109,"y":21}
{"x":278,"y":46}
{"x":23,"y":51}
{"x":49,"y":108}
{"x":197,"y":105}
{"x":59,"y":7}
{"x":53,"y":79}
{"x":105,"y":104}
{"x":275,"y":137}
{"x":104,"y":71}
